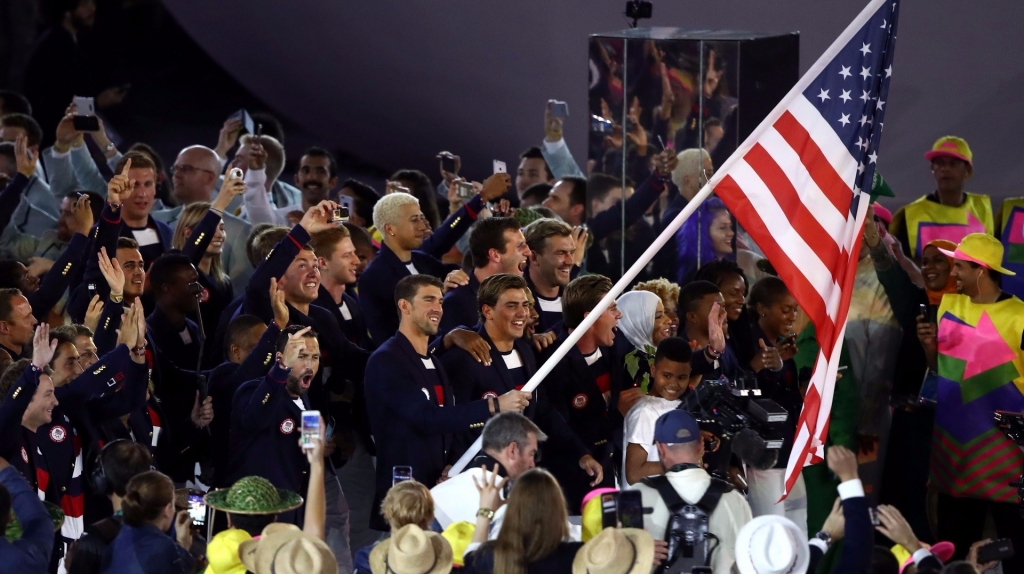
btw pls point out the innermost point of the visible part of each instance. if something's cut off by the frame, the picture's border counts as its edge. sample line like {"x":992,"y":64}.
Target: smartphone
{"x":92,"y":289}
{"x":499,"y":167}
{"x":310,"y":428}
{"x":464,"y":190}
{"x":559,"y":109}
{"x":600,"y":125}
{"x":340,"y":214}
{"x":259,"y":131}
{"x":924,"y":310}
{"x":85,"y":119}
{"x":609,"y":510}
{"x":347,"y":202}
{"x":995,"y":551}
{"x":197,"y":508}
{"x":247,"y":124}
{"x":631,"y":509}
{"x":787,"y":340}
{"x":873,"y":512}
{"x":447,"y":161}
{"x":400,"y":474}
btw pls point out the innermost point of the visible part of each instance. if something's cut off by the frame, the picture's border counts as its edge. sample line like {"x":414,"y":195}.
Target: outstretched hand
{"x":112,"y":272}
{"x":120,"y":186}
{"x":277,"y":302}
{"x":43,"y":349}
{"x":489,"y":487}
{"x":716,"y":327}
{"x":319,"y":217}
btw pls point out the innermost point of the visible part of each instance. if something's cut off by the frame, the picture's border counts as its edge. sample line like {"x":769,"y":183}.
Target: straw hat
{"x":616,"y":551}
{"x":410,"y":550}
{"x":253,"y":495}
{"x":284,"y":549}
{"x":771,"y":545}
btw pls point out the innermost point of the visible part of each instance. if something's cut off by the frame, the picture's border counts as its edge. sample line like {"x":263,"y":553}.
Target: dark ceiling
{"x":395,"y":82}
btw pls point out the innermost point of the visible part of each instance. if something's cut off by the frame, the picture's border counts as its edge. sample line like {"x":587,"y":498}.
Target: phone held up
{"x":197,"y":508}
{"x":400,"y":474}
{"x":85,"y":119}
{"x":310,"y":428}
{"x":499,"y":166}
{"x":559,"y":109}
{"x":447,"y":161}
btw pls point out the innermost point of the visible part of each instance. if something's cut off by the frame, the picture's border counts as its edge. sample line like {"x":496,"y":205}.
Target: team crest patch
{"x":579,"y":401}
{"x":24,"y":455}
{"x":489,"y":395}
{"x":287,"y":426}
{"x":58,"y":434}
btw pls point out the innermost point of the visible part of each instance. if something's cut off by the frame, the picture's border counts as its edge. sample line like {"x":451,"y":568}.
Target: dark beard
{"x":294,"y":386}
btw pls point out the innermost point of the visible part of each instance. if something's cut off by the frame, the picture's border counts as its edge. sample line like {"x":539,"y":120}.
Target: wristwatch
{"x":486,"y":513}
{"x":824,"y":537}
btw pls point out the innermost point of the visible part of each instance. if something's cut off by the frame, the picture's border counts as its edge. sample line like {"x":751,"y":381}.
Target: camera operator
{"x":677,"y":438}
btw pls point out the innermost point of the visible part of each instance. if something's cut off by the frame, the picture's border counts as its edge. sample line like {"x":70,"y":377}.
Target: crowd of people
{"x":192,"y":352}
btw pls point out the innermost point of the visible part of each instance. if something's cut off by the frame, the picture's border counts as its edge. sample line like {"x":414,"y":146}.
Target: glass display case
{"x":652,"y":89}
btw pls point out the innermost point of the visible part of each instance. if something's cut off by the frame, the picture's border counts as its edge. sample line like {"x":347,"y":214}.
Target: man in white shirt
{"x":680,"y":448}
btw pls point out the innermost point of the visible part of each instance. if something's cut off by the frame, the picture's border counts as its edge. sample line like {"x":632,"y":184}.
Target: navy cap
{"x":676,"y":427}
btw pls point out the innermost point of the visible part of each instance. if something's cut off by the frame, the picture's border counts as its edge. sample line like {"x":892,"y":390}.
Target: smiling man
{"x":504,"y":312}
{"x":413,"y":412}
{"x":339,"y":261}
{"x":496,"y":246}
{"x":552,"y":266}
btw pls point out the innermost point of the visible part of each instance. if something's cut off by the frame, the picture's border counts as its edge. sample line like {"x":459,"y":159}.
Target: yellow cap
{"x":980,"y":248}
{"x":951,"y":146}
{"x":459,"y":535}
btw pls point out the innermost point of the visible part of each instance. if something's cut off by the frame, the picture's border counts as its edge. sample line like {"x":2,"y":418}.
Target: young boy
{"x":670,"y":375}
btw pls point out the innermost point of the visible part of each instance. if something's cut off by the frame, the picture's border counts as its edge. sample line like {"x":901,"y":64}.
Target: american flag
{"x":797,"y":185}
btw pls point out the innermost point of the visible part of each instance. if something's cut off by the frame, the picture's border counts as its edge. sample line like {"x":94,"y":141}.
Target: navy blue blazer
{"x":858,"y":540}
{"x":265,"y":428}
{"x":452,"y":228}
{"x":413,"y":422}
{"x":548,"y":319}
{"x":65,"y":269}
{"x":354,"y":329}
{"x":103,"y":234}
{"x":472,"y":380}
{"x":377,"y":288}
{"x":610,"y":220}
{"x":460,"y":307}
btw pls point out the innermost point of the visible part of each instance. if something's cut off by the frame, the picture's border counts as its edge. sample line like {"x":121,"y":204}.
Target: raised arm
{"x":605,"y":223}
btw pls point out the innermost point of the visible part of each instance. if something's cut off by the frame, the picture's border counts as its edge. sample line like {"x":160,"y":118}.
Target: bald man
{"x":196,"y":172}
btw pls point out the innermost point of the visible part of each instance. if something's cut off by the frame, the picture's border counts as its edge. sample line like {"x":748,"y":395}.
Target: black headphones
{"x":100,"y":482}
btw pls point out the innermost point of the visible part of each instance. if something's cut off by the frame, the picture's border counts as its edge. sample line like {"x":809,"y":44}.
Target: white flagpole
{"x":590,"y":319}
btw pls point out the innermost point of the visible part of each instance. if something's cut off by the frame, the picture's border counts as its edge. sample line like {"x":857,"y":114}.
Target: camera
{"x":464,"y":190}
{"x":340,"y":214}
{"x":639,"y":10}
{"x":737,"y":410}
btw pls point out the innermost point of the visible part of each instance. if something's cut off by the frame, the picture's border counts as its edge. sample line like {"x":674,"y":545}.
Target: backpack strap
{"x":713,"y":494}
{"x":668,"y":494}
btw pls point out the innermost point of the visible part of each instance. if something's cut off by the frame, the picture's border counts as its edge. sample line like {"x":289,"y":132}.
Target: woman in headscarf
{"x":644,"y":324}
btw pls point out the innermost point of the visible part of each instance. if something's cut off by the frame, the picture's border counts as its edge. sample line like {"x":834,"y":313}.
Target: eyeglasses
{"x":186,"y":169}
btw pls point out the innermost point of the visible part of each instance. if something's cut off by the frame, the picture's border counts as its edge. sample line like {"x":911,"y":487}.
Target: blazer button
{"x":63,"y":489}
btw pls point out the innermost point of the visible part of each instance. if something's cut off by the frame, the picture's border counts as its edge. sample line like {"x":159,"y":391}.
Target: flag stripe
{"x":795,"y":210}
{"x":822,"y":172}
{"x":828,"y":142}
{"x":744,"y":210}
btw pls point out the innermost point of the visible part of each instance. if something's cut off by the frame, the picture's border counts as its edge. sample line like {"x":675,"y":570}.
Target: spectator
{"x":16,"y":322}
{"x":285,"y":548}
{"x":412,"y":550}
{"x":949,"y":212}
{"x":12,"y":102}
{"x":411,"y":431}
{"x":668,"y":292}
{"x":568,"y":198}
{"x":534,"y":532}
{"x":679,"y":444}
{"x":31,"y":552}
{"x":496,"y":246}
{"x":268,"y":149}
{"x":534,"y":195}
{"x":616,"y":551}
{"x":174,"y":333}
{"x":142,"y":545}
{"x":705,"y":237}
{"x":669,"y":374}
{"x":533,"y":170}
{"x":116,"y":464}
{"x":408,"y":502}
{"x":704,"y":324}
{"x":194,"y":175}
{"x":584,"y":385}
{"x":34,"y":208}
{"x":419,"y":186}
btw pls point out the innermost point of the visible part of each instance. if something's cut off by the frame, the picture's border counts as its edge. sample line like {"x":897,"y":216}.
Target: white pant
{"x":765,"y":490}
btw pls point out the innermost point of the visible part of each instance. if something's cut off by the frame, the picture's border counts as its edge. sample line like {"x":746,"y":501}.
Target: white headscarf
{"x":638,"y":309}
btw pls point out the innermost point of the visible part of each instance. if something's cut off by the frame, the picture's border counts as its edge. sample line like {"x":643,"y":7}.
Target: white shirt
{"x":725,"y":522}
{"x":639,"y":427}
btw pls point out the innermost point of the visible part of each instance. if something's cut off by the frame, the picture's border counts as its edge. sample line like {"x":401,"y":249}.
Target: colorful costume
{"x":1011,"y":233}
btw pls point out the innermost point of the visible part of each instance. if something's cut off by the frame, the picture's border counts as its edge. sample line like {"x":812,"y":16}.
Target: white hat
{"x":771,"y":545}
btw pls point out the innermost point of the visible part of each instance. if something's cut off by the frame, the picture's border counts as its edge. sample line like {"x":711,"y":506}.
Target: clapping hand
{"x":112,"y":272}
{"x":24,"y":157}
{"x":717,"y":326}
